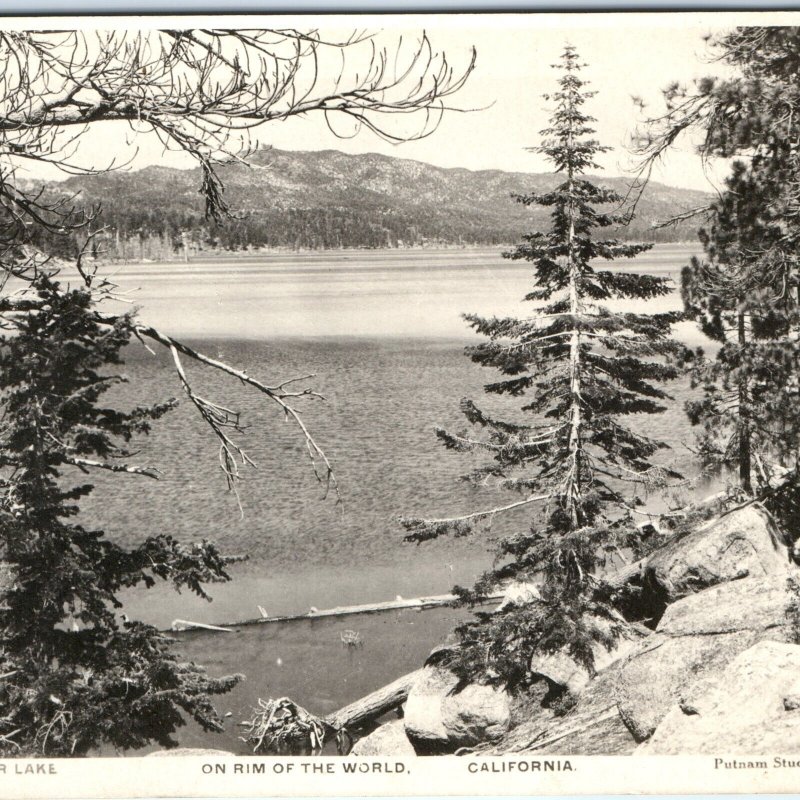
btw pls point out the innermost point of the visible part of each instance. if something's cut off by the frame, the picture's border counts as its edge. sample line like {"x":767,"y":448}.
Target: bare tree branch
{"x":204,"y":91}
{"x":674,"y":220}
{"x":86,"y":464}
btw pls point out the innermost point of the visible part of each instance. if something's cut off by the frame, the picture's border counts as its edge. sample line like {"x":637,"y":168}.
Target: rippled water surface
{"x":382,"y":334}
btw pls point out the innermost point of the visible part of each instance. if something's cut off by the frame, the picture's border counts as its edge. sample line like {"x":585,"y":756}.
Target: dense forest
{"x":327,"y":199}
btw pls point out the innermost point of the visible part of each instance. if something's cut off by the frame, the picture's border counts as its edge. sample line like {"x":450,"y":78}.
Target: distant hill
{"x":328,"y":199}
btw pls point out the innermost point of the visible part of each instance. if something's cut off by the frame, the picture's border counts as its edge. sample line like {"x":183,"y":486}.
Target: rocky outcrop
{"x":440,"y":719}
{"x":562,"y":670}
{"x":388,"y":740}
{"x":744,"y":542}
{"x":721,"y":590}
{"x":747,"y":708}
{"x":716,"y":674}
{"x":696,"y":639}
{"x":592,"y":727}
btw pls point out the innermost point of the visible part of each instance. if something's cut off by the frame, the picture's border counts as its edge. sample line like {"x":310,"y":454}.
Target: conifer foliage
{"x":743,"y":298}
{"x":745,"y":292}
{"x":581,"y":369}
{"x":75,"y":672}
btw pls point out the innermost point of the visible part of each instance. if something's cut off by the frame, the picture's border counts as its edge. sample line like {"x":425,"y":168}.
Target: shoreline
{"x":253,"y":255}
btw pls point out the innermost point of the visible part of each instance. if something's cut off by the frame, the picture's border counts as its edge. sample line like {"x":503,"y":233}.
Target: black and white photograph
{"x":388,"y":391}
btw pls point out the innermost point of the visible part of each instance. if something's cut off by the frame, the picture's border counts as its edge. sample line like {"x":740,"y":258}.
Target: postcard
{"x":400,"y":404}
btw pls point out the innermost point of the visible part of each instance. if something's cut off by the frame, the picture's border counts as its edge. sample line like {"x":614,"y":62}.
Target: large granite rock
{"x":753,"y":604}
{"x":440,"y":719}
{"x":388,"y":740}
{"x":695,"y":640}
{"x":748,"y":708}
{"x":741,"y":543}
{"x":561,"y":669}
{"x":592,"y":727}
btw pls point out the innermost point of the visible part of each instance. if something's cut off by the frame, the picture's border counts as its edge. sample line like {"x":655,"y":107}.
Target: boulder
{"x":744,"y":542}
{"x":743,"y":711}
{"x":653,"y":680}
{"x":562,"y":670}
{"x":388,"y":740}
{"x":753,"y":604}
{"x":191,"y":751}
{"x":695,"y":640}
{"x":591,"y":727}
{"x":438,"y":718}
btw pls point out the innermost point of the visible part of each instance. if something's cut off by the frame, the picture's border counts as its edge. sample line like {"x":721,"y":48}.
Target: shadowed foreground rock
{"x":743,"y":711}
{"x":592,"y":727}
{"x":696,"y":639}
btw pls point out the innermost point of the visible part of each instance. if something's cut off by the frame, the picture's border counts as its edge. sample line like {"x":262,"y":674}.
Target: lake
{"x":382,"y":333}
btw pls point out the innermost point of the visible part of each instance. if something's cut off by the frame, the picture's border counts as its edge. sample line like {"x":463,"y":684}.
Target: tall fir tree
{"x":582,"y":368}
{"x":77,"y":674}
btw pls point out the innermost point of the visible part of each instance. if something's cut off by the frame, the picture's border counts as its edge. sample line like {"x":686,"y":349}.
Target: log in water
{"x":375,"y":704}
{"x":420,"y":603}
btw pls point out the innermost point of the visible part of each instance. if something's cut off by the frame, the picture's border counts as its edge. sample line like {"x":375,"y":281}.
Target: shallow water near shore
{"x":382,"y":334}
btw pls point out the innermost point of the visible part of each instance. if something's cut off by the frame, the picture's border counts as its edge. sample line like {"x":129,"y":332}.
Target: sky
{"x":627,"y":55}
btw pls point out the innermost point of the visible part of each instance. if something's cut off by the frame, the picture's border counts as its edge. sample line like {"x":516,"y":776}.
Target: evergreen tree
{"x":742,"y":301}
{"x":76,"y":672}
{"x":746,"y":291}
{"x":73,"y":674}
{"x":582,"y":368}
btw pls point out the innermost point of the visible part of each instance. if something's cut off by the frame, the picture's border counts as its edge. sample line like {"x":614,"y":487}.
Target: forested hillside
{"x":327,"y":199}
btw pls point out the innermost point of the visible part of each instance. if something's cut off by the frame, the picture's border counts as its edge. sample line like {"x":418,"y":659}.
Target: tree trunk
{"x":745,"y":455}
{"x":375,"y":704}
{"x":574,"y":487}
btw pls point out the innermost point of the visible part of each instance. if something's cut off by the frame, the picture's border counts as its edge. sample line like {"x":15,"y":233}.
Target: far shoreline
{"x":238,"y":256}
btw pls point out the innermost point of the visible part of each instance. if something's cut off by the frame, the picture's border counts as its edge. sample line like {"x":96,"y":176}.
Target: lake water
{"x":382,"y":332}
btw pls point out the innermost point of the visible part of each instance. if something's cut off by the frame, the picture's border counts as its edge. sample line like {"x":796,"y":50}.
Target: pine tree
{"x":742,"y":300}
{"x":746,"y":291}
{"x":77,"y":673}
{"x":582,"y":368}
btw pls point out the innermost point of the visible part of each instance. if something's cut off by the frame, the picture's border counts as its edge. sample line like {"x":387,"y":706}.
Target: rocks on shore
{"x":743,"y":543}
{"x":719,"y":674}
{"x":747,"y":708}
{"x":388,"y":740}
{"x":726,"y":589}
{"x":441,"y":718}
{"x":696,"y":638}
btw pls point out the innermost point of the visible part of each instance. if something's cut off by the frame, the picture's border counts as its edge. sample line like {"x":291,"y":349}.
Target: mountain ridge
{"x":320,"y":199}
